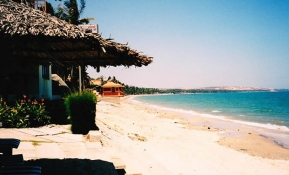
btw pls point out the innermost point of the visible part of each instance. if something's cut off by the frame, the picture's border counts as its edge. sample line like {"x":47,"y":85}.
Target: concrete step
{"x":49,"y":150}
{"x":121,"y":167}
{"x":118,"y":163}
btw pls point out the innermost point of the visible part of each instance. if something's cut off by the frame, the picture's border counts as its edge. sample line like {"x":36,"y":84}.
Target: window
{"x":45,"y":71}
{"x":106,"y":89}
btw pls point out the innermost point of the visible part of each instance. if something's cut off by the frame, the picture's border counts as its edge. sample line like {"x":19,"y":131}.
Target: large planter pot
{"x":81,"y":108}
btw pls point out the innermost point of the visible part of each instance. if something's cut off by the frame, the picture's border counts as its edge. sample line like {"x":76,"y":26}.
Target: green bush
{"x":81,"y":108}
{"x":24,"y":115}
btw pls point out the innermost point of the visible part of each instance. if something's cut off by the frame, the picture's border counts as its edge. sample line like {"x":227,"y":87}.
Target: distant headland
{"x":219,"y":89}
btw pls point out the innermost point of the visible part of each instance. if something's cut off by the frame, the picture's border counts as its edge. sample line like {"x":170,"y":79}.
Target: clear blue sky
{"x":198,"y":43}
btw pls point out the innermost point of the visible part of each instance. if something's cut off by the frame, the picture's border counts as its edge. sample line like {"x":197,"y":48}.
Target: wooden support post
{"x":80,"y":80}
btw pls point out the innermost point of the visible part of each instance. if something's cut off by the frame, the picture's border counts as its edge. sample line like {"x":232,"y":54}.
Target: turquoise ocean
{"x":264,"y":110}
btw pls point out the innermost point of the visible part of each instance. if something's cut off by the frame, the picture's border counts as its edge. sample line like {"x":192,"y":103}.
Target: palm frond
{"x":82,"y":6}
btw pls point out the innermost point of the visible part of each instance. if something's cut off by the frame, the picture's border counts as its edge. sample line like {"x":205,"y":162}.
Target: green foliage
{"x":132,"y":90}
{"x":49,"y":8}
{"x":81,"y":108}
{"x":22,"y":116}
{"x":70,"y":11}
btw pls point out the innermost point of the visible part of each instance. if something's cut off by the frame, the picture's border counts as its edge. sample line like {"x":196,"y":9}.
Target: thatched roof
{"x":31,"y":35}
{"x":111,"y":84}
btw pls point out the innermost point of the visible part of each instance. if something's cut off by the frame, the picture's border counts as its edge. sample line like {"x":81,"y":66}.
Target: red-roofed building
{"x":112,"y":89}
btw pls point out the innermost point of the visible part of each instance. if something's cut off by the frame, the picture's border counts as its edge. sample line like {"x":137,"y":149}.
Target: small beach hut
{"x":112,"y":89}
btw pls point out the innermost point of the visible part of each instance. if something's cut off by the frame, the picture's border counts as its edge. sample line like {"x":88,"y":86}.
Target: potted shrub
{"x":81,"y":108}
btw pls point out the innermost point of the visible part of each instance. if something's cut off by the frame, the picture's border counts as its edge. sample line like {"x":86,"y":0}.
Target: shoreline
{"x":178,"y":145}
{"x":277,"y":134}
{"x":225,"y":116}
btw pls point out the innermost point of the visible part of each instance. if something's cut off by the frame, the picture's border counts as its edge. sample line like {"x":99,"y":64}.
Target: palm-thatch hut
{"x":112,"y":89}
{"x":31,"y":42}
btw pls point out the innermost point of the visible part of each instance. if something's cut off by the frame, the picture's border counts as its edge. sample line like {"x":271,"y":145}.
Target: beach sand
{"x":156,"y":142}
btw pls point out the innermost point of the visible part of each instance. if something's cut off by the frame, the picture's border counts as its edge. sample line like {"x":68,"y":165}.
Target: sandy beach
{"x":154,"y":142}
{"x":144,"y":140}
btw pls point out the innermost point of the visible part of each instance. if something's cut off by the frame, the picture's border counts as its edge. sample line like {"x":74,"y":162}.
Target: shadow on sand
{"x":73,"y":167}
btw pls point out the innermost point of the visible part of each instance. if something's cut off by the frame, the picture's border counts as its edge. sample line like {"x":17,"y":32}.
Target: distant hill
{"x":240,"y":88}
{"x":219,"y":89}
